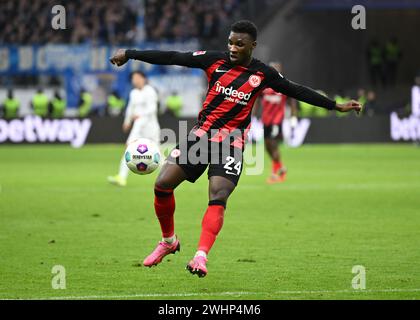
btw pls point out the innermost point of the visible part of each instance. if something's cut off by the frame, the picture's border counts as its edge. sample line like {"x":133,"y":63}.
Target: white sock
{"x":123,"y":173}
{"x":170,"y":240}
{"x":201,"y":253}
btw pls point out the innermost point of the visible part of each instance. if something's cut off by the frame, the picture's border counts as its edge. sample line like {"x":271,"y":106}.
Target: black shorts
{"x":194,"y":156}
{"x":273,"y":131}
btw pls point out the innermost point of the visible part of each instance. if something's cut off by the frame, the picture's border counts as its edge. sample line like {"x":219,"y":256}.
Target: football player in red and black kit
{"x":273,"y":111}
{"x":235,"y":80}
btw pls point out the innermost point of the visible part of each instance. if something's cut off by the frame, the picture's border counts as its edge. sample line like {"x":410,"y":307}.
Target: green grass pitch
{"x":342,"y":205}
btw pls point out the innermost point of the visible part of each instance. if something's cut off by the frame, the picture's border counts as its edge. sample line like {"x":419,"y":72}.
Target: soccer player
{"x":235,"y":80}
{"x":273,"y":110}
{"x":140,"y":117}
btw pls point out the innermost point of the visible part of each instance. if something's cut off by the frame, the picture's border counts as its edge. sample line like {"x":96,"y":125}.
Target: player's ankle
{"x":201,"y":253}
{"x":169,"y":240}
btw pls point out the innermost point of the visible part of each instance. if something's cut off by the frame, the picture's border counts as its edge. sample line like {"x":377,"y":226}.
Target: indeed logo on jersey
{"x":242,"y":97}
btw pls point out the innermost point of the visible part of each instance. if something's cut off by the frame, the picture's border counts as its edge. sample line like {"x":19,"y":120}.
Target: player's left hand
{"x":349,"y":106}
{"x":119,"y":58}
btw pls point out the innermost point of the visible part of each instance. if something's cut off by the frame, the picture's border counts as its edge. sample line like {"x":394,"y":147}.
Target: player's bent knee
{"x":220,"y":195}
{"x":163,"y":183}
{"x":170,"y":177}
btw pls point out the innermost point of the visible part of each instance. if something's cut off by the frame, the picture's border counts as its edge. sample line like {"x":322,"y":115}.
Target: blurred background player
{"x":140,"y":117}
{"x":273,"y":111}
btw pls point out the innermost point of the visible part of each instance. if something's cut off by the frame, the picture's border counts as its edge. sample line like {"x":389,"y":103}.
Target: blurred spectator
{"x":40,"y":103}
{"x":209,"y":26}
{"x":186,"y":19}
{"x":115,"y":22}
{"x":370,"y":107}
{"x":57,"y":106}
{"x":174,"y":104}
{"x":86,"y":21}
{"x":115,"y":104}
{"x":392,"y":55}
{"x":10,"y":106}
{"x":361,"y":96}
{"x":375,"y":62}
{"x":85,"y":104}
{"x":415,"y":97}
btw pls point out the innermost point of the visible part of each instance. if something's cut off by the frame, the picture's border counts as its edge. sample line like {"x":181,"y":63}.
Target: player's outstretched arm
{"x":309,"y":95}
{"x":186,"y":59}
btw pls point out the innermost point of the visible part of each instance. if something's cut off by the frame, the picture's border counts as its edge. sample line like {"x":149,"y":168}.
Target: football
{"x":142,"y":156}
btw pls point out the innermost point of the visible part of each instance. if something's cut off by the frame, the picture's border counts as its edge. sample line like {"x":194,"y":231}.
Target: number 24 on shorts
{"x":228,"y":166}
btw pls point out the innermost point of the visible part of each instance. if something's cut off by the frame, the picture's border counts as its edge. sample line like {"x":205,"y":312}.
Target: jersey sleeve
{"x":197,"y":59}
{"x":299,"y":92}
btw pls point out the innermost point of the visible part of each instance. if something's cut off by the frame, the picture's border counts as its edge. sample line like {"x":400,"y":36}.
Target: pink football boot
{"x":198,"y":266}
{"x":161,"y":251}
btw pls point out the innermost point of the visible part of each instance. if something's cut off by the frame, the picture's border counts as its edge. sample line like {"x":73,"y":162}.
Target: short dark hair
{"x":245,"y":26}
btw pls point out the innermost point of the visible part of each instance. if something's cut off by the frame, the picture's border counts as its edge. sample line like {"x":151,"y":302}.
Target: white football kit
{"x":142,"y":109}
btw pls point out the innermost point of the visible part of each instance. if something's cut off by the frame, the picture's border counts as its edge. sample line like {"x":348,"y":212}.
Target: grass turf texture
{"x":342,"y":205}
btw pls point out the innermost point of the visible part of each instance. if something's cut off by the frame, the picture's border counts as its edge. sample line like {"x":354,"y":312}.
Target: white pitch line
{"x":196,"y":294}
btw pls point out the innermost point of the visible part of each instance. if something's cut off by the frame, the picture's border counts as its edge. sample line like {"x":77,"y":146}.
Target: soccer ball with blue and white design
{"x":142,"y":156}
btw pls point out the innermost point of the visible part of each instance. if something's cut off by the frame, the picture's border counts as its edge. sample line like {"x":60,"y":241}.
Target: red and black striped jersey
{"x":274,"y":107}
{"x":232,"y":90}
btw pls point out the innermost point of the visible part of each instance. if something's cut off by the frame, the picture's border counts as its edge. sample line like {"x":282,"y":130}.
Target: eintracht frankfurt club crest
{"x":254,"y":81}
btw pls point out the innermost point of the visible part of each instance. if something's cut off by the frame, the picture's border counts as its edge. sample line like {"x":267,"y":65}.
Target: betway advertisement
{"x":77,"y":132}
{"x":405,"y":129}
{"x":33,"y":129}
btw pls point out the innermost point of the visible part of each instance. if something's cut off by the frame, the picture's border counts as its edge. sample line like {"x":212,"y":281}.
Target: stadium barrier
{"x":77,"y":132}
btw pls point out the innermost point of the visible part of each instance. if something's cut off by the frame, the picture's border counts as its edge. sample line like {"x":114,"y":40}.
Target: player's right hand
{"x":119,"y":58}
{"x":349,"y":106}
